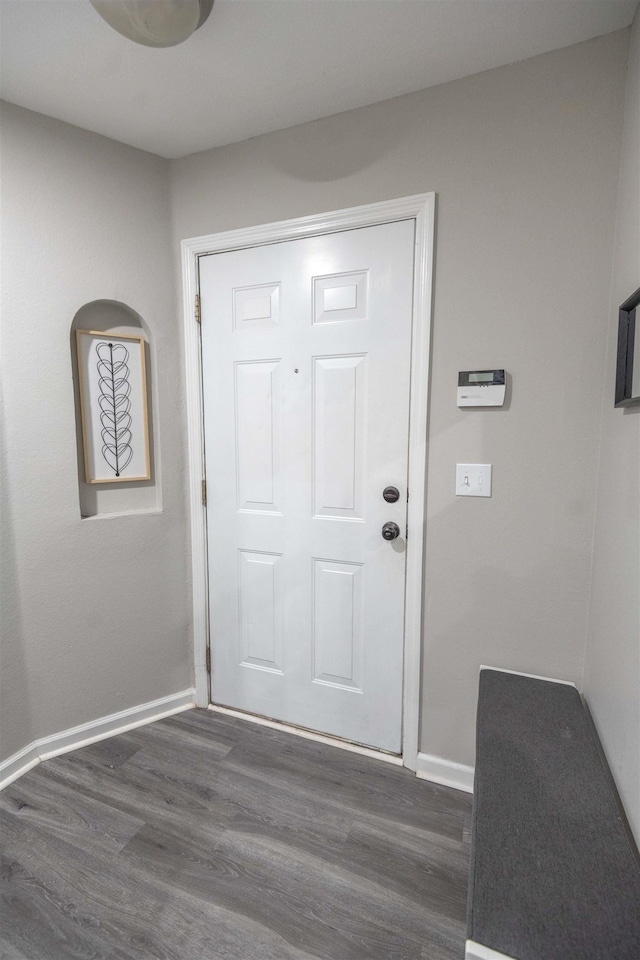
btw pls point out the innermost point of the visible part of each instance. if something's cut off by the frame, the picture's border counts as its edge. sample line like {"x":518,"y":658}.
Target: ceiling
{"x":262,"y":65}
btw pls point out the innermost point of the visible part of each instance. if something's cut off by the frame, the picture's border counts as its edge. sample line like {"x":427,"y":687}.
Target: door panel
{"x":337,"y":624}
{"x":260,"y":610}
{"x":258,"y":434}
{"x":339,"y":385}
{"x":306,"y":358}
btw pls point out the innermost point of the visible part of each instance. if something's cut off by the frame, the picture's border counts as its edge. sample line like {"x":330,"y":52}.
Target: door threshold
{"x":310,"y":735}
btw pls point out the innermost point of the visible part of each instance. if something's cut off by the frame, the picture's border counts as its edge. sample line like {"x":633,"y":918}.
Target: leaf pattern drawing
{"x":115,"y":405}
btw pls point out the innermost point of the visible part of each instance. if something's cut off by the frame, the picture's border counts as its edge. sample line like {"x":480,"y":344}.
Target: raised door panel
{"x":339,"y":297}
{"x":260,"y":610}
{"x":337,"y":624}
{"x":256,"y":306}
{"x":339,"y":385}
{"x":258,"y":435}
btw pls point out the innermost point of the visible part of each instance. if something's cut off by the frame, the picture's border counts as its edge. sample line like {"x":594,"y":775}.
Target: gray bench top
{"x":554,"y":873}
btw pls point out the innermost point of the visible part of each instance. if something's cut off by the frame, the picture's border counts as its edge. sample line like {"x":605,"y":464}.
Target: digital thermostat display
{"x":496,"y":377}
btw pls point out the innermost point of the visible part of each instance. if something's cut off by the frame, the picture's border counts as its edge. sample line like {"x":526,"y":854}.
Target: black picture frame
{"x":626,"y":344}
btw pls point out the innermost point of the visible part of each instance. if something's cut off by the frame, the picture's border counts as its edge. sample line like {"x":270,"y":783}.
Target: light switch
{"x":473,"y":479}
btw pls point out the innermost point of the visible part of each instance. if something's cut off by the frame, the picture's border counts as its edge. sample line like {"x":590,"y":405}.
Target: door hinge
{"x":197,"y":308}
{"x":204,"y":493}
{"x":208,"y":659}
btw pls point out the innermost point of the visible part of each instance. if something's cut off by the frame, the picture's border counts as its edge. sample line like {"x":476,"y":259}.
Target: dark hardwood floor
{"x":204,"y":837}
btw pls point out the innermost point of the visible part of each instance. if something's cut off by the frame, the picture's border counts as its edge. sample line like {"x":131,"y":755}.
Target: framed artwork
{"x":113,"y":401}
{"x":628,"y":362}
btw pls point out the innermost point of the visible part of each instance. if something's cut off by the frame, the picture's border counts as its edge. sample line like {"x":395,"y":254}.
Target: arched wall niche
{"x":115,"y":499}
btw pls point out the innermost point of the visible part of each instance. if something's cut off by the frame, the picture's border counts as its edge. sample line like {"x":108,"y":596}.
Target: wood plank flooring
{"x":205,"y":837}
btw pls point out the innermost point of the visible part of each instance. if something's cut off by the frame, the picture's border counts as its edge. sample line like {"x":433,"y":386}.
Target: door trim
{"x":420,"y":208}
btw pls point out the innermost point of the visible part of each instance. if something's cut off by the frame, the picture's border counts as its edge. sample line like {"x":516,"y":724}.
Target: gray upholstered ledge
{"x":555,"y":873}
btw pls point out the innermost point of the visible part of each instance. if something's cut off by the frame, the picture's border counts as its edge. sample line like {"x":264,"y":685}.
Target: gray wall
{"x":525,"y":163}
{"x":612,"y":667}
{"x":95,"y":613}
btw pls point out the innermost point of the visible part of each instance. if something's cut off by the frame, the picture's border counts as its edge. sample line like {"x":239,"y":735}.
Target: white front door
{"x":306,"y":357}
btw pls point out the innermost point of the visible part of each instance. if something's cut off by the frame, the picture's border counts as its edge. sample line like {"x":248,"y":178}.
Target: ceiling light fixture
{"x":154,"y":23}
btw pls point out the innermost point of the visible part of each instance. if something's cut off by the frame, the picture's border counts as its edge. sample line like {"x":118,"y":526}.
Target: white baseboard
{"x":476,"y":951}
{"x":87,"y":733}
{"x":19,"y":763}
{"x":445,"y":772}
{"x":531,"y":676}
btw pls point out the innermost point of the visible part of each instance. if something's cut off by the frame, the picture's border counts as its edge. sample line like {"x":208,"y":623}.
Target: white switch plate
{"x":473,"y":479}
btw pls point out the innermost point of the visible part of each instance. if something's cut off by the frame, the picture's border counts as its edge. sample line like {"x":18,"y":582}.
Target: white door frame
{"x":420,"y":207}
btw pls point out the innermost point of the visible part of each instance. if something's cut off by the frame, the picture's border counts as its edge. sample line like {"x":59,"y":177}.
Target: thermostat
{"x":481,"y":388}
